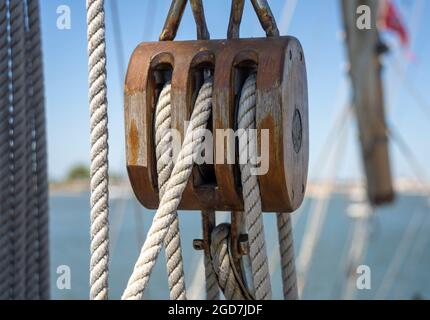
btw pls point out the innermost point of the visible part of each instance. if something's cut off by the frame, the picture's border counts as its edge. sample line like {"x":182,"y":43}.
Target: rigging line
{"x":327,"y":149}
{"x":197,"y":287}
{"x":345,"y":250}
{"x":414,"y":23}
{"x":287,"y":15}
{"x":99,"y":182}
{"x":317,"y":215}
{"x":337,"y":287}
{"x":151,"y":12}
{"x":410,"y":157}
{"x":406,"y":151}
{"x":318,"y":43}
{"x":170,"y":200}
{"x":415,"y":20}
{"x":399,"y":257}
{"x":117,"y":215}
{"x":413,"y":162}
{"x":358,"y":249}
{"x":412,"y":90}
{"x":119,"y":46}
{"x":139,"y":223}
{"x":275,"y":258}
{"x":419,"y":245}
{"x":5,"y":220}
{"x":340,"y":117}
{"x":296,"y":217}
{"x":18,"y":148}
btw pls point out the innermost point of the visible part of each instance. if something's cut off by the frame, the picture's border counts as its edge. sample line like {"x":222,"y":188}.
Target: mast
{"x":368,"y":99}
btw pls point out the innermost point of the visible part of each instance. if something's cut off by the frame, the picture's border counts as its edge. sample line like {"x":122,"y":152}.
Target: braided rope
{"x":251,"y":192}
{"x":211,"y":281}
{"x":164,"y":151}
{"x":18,"y":170}
{"x":5,"y":220}
{"x":38,"y":101}
{"x":169,"y":202}
{"x":32,"y":245}
{"x":212,"y":288}
{"x":99,"y":151}
{"x":286,"y":248}
{"x":222,"y":265}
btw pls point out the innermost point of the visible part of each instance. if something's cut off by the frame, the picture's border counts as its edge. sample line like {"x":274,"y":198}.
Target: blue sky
{"x":316,"y":23}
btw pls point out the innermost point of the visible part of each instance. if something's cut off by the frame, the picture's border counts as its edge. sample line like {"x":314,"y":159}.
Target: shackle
{"x":174,"y":17}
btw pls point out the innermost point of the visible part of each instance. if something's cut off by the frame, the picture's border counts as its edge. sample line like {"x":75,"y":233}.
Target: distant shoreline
{"x":121,"y":187}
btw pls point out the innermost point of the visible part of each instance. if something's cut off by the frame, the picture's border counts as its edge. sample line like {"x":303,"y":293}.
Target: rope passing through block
{"x":171,"y":198}
{"x":282,"y":110}
{"x":257,"y":84}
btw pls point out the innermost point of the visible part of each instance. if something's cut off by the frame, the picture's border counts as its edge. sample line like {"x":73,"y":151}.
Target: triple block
{"x":282,"y":109}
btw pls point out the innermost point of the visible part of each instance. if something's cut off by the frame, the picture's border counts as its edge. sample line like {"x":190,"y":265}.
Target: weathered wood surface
{"x":282,"y":108}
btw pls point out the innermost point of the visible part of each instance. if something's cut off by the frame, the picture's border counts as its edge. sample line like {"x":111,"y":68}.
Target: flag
{"x":390,"y":20}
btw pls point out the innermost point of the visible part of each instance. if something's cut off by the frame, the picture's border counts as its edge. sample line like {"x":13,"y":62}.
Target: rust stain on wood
{"x":279,"y":90}
{"x":133,"y":142}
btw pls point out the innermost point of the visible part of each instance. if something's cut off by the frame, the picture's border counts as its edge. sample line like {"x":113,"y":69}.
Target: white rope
{"x":286,"y":248}
{"x":252,"y":202}
{"x":99,"y":151}
{"x":164,"y":151}
{"x":169,"y":202}
{"x":222,"y":264}
{"x":211,"y":281}
{"x":251,"y":192}
{"x":172,"y":182}
{"x":212,"y":288}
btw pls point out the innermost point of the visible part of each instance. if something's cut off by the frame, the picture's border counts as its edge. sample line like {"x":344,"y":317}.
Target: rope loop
{"x":228,"y":278}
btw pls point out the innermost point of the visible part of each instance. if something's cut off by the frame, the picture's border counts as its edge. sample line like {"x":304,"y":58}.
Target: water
{"x":70,"y":241}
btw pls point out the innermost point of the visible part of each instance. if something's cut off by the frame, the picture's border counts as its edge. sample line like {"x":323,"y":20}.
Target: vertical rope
{"x":172,"y":197}
{"x":251,"y":192}
{"x":99,"y":150}
{"x":40,"y":149}
{"x":222,"y":264}
{"x":21,"y":96}
{"x":212,"y":288}
{"x":164,"y":151}
{"x":18,"y":168}
{"x":32,"y":245}
{"x":5,"y":219}
{"x":286,"y":248}
{"x":211,"y":281}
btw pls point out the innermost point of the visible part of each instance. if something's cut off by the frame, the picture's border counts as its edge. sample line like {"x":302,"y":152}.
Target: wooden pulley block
{"x":282,"y":111}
